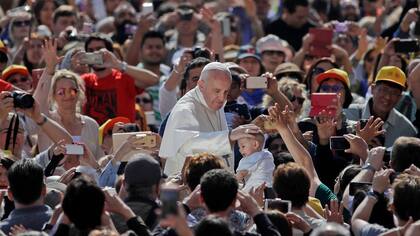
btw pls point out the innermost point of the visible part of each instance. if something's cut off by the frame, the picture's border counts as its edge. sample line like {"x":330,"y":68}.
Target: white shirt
{"x":260,"y":167}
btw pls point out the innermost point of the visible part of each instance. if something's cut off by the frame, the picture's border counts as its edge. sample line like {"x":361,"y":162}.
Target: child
{"x":257,"y":165}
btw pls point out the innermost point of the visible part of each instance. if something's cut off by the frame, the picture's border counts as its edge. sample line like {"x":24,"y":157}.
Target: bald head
{"x":218,"y":68}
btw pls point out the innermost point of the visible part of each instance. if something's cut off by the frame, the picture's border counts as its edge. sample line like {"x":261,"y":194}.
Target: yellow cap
{"x":392,"y":74}
{"x":334,"y":74}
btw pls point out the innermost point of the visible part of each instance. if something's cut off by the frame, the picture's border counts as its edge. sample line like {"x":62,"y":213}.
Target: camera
{"x":22,"y":100}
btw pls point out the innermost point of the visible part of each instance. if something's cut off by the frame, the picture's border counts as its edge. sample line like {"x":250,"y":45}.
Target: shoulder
{"x":403,"y":121}
{"x":90,"y":121}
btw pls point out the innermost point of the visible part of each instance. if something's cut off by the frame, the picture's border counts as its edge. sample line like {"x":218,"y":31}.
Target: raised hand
{"x":244,"y":131}
{"x":50,"y":55}
{"x":278,"y":117}
{"x":326,"y":126}
{"x":358,"y":146}
{"x":334,"y":213}
{"x":372,"y":129}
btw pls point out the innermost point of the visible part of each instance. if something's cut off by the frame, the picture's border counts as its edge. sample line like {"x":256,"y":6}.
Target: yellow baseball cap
{"x":108,"y":125}
{"x":14,"y":69}
{"x":334,"y":74}
{"x":392,"y":74}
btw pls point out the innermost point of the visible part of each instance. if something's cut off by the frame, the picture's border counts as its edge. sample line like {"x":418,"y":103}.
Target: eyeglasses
{"x":18,"y":80}
{"x":22,"y":23}
{"x":273,"y":53}
{"x":300,"y":100}
{"x":143,"y":100}
{"x":72,"y":91}
{"x":331,"y":88}
{"x":389,"y":91}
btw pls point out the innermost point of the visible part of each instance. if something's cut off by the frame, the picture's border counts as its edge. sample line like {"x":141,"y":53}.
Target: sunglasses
{"x":143,"y":100}
{"x":300,"y":100}
{"x":19,"y":80}
{"x":273,"y":52}
{"x":22,"y":23}
{"x":333,"y":88}
{"x":72,"y":91}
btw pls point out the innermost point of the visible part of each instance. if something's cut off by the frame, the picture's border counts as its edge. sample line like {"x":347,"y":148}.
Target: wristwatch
{"x":123,"y":66}
{"x":369,"y":166}
{"x":44,"y":120}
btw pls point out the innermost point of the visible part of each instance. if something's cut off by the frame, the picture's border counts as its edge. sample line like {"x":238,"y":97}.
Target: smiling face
{"x":66,"y":94}
{"x":215,"y":89}
{"x":385,"y":97}
{"x":247,"y":146}
{"x":153,"y":51}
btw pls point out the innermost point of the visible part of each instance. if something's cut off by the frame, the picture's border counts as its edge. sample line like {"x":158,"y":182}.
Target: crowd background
{"x":76,"y":75}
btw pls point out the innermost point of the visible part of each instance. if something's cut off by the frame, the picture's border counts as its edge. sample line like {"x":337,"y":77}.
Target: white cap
{"x":274,"y":43}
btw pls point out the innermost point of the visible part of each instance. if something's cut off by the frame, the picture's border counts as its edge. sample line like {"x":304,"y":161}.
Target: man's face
{"x":263,"y":6}
{"x":63,"y":22}
{"x":187,"y":27}
{"x":299,"y":17}
{"x":194,"y":75}
{"x":153,"y":51}
{"x":350,"y":13}
{"x":385,"y":97}
{"x":215,"y":89}
{"x":125,"y":15}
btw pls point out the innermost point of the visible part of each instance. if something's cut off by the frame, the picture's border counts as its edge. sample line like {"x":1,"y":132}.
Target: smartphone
{"x":91,"y":58}
{"x":356,"y":186}
{"x":339,"y":143}
{"x":131,"y":127}
{"x":147,"y":8}
{"x":145,"y":139}
{"x":387,"y":157}
{"x":322,"y":38}
{"x":225,"y":23}
{"x":322,"y":101}
{"x":169,"y":199}
{"x":74,"y":149}
{"x":150,"y":117}
{"x":283,"y":206}
{"x":36,"y":75}
{"x":406,"y":46}
{"x":130,"y":29}
{"x":256,"y":82}
{"x":341,"y":27}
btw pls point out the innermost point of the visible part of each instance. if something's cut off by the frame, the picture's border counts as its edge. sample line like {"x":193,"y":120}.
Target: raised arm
{"x":133,"y":52}
{"x":299,"y":153}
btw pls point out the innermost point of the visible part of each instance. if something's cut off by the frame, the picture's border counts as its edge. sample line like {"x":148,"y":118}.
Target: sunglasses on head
{"x":21,"y":23}
{"x":300,"y":100}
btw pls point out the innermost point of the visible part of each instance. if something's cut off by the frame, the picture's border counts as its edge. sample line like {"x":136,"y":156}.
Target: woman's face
{"x":21,"y":27}
{"x":334,"y":86}
{"x":318,"y":69}
{"x":34,"y":51}
{"x":298,"y":100}
{"x":251,"y":65}
{"x":47,"y":13}
{"x":21,"y":81}
{"x":66,"y":94}
{"x":4,"y":182}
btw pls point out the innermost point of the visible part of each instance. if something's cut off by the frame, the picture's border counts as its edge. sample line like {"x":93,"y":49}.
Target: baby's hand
{"x":241,"y":174}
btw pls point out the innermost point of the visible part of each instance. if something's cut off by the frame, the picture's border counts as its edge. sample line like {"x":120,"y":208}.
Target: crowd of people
{"x":210,"y":117}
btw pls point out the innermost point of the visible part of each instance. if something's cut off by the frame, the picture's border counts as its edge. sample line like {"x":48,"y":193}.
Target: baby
{"x":257,"y":165}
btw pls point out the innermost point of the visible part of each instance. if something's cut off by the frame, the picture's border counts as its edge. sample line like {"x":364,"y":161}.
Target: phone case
{"x":339,"y":143}
{"x":256,"y":83}
{"x":92,"y":59}
{"x":321,"y":101}
{"x":322,"y":39}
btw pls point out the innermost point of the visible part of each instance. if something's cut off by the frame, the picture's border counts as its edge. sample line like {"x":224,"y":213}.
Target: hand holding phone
{"x":169,"y":198}
{"x":339,"y":143}
{"x":256,"y":82}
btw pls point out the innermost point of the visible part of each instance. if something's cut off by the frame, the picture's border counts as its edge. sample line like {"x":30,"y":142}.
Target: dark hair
{"x":309,"y":75}
{"x":6,"y":162}
{"x":280,"y":221}
{"x":198,"y":166}
{"x":26,"y":181}
{"x":407,"y":197}
{"x":291,"y":182}
{"x":236,"y":79}
{"x":100,"y":37}
{"x":402,"y":155}
{"x":83,"y":204}
{"x":213,"y":225}
{"x":195,"y":63}
{"x":348,"y":99}
{"x":152,"y":34}
{"x":380,"y":213}
{"x":37,"y":8}
{"x":218,"y":189}
{"x":291,"y":5}
{"x":345,"y":177}
{"x":64,"y":11}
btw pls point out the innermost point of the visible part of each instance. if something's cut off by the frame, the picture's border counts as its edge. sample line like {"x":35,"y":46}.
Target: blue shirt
{"x":32,"y":218}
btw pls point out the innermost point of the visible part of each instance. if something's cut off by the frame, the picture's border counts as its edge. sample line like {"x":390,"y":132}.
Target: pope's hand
{"x":244,"y":131}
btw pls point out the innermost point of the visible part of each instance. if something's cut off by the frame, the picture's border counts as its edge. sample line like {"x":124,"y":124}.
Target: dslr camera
{"x":22,"y":100}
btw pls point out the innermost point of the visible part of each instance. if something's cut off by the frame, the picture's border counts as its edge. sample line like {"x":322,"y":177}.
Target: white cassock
{"x":193,"y":128}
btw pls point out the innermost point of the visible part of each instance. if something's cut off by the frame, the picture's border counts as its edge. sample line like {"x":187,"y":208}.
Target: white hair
{"x":214,"y":66}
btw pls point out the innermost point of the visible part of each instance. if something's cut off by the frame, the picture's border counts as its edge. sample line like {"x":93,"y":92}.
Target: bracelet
{"x":123,"y":66}
{"x":44,"y":120}
{"x":369,"y":166}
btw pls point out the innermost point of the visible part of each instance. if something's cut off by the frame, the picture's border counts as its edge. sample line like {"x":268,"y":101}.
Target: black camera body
{"x":22,"y":100}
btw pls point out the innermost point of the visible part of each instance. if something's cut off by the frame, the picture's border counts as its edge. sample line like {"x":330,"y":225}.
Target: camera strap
{"x":13,"y":127}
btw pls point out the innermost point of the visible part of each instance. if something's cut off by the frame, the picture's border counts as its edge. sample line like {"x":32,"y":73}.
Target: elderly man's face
{"x":215,"y":89}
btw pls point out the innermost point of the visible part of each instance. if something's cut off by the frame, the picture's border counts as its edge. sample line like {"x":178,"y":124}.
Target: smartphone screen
{"x":283,"y":206}
{"x":339,"y":143}
{"x":406,"y":46}
{"x":169,"y":199}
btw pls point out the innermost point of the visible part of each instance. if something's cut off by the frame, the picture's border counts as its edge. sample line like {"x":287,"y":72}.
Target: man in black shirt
{"x":293,"y":23}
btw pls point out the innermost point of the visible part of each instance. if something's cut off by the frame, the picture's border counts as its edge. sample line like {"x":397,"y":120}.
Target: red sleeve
{"x":132,"y":85}
{"x":5,"y":86}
